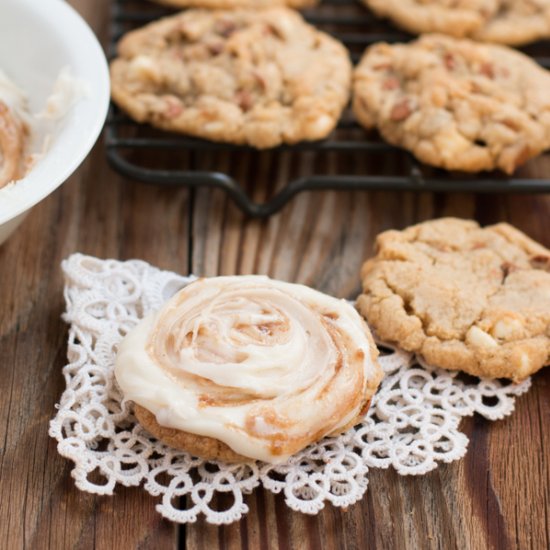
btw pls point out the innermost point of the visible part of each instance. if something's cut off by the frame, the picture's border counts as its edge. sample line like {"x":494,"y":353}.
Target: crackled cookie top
{"x":258,"y":77}
{"x":230,"y":4}
{"x":464,"y":297}
{"x":517,"y":22}
{"x":455,"y":104}
{"x":265,"y":367}
{"x":454,"y":17}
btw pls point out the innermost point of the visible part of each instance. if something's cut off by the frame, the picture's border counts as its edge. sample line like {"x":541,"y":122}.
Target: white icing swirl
{"x":266,"y":367}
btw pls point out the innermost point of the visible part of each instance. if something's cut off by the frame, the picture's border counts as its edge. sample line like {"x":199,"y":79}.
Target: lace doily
{"x":412,"y":423}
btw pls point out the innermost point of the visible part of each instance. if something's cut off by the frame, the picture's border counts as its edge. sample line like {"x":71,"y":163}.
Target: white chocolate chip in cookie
{"x":525,"y":363}
{"x":507,"y":328}
{"x":321,"y":126}
{"x":477,"y":337}
{"x":145,"y":67}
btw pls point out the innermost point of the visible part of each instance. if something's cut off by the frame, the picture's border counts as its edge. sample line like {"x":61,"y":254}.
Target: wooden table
{"x":496,"y":497}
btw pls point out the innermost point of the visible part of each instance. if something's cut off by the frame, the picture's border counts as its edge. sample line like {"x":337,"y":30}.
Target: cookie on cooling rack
{"x":463,"y":297}
{"x":248,"y":368}
{"x":517,"y":22}
{"x":232,"y":4}
{"x":511,"y":22}
{"x":455,"y":104}
{"x":453,"y":17}
{"x":251,"y":77}
{"x":14,"y":131}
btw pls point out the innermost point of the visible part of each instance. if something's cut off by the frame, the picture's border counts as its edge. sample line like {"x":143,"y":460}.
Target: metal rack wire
{"x":131,"y":146}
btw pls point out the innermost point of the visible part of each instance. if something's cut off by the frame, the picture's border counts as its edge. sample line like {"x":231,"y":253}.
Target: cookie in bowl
{"x":250,"y":77}
{"x":248,"y":368}
{"x":455,"y":104}
{"x":461,"y":296}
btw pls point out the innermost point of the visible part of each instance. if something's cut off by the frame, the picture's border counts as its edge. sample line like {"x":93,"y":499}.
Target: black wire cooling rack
{"x":357,"y":160}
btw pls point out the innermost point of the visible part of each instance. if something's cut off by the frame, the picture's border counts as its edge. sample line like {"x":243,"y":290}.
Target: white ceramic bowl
{"x":38,"y":38}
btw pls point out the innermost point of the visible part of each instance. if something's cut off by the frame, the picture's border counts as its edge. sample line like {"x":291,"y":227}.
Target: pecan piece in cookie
{"x":401,"y":110}
{"x":455,"y":104}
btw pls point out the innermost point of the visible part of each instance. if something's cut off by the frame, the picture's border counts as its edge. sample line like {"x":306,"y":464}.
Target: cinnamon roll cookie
{"x":13,"y":131}
{"x":248,"y":368}
{"x":251,"y":77}
{"x":453,"y":17}
{"x":463,"y":297}
{"x":455,"y":104}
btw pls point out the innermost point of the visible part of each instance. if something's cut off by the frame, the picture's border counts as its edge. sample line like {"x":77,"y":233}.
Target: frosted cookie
{"x":248,"y":368}
{"x":517,"y":22}
{"x":257,"y":77}
{"x":454,"y":17}
{"x":232,"y":4}
{"x":463,"y":297}
{"x":13,"y":131}
{"x":455,"y":104}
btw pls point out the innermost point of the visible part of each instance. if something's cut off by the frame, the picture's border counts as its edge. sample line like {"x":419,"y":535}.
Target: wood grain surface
{"x":498,"y":496}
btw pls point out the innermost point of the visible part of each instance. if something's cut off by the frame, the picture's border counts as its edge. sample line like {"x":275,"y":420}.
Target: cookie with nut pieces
{"x":232,"y":4}
{"x":453,"y":17}
{"x":455,"y":104}
{"x":462,"y":296}
{"x":510,"y":22}
{"x":249,"y":77}
{"x":517,"y":22}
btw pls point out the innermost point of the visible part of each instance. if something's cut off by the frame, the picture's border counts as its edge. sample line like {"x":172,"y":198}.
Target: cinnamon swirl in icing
{"x":247,"y":367}
{"x":13,"y":130}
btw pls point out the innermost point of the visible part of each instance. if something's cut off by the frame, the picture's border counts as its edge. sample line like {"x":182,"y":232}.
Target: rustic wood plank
{"x":497,"y":497}
{"x":97,"y":213}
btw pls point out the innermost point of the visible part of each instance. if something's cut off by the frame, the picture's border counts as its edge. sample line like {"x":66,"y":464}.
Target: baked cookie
{"x":463,"y":297}
{"x":248,"y":368}
{"x":455,"y":104}
{"x":232,"y":4}
{"x":257,"y":77}
{"x":453,"y":17}
{"x":517,"y":22}
{"x":14,"y":131}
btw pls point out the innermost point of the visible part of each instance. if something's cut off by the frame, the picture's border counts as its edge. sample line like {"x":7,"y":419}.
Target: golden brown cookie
{"x":463,"y":297}
{"x":205,"y":447}
{"x":457,"y":18}
{"x":233,"y":4}
{"x":455,"y":104}
{"x":196,"y":445}
{"x":249,"y":368}
{"x":251,"y":77}
{"x":517,"y":22}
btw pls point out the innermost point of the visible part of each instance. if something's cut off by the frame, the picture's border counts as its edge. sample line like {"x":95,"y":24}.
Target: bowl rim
{"x":60,"y":10}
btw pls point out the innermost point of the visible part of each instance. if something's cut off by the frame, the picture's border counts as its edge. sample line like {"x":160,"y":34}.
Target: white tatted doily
{"x":412,"y":423}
